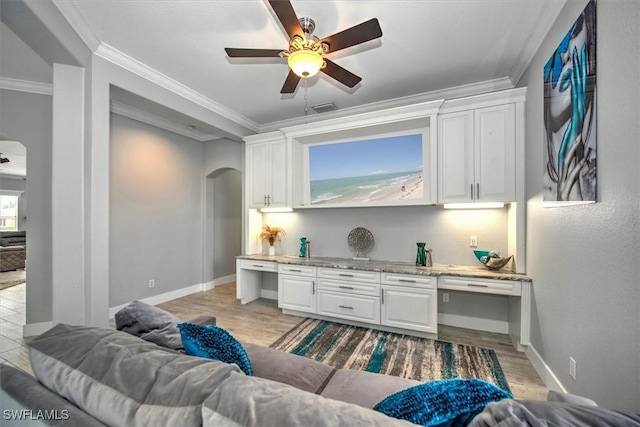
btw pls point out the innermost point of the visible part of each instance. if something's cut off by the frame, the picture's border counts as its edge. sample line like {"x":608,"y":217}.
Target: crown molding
{"x":79,"y":23}
{"x":544,"y":22}
{"x":26,"y":86}
{"x":157,"y":121}
{"x":449,"y":93}
{"x":125,"y":61}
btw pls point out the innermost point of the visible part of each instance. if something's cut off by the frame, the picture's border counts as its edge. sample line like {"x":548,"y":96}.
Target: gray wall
{"x":27,"y":118}
{"x":395,"y":230}
{"x":156,"y":212}
{"x":584,"y":259}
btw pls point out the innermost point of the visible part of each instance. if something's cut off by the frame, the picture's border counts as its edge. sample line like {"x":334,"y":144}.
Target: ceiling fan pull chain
{"x":306,"y":103}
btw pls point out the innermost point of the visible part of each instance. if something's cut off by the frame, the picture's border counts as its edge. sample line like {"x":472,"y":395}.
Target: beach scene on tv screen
{"x":371,"y":170}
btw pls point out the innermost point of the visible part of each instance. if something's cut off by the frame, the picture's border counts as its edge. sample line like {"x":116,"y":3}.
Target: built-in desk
{"x":393,"y":296}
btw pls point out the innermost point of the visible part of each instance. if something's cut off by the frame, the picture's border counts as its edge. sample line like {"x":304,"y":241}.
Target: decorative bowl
{"x":497,"y":263}
{"x":483,"y":256}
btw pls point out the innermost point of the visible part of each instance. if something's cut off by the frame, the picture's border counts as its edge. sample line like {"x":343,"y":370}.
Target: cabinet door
{"x":297,"y":293}
{"x":495,"y":156}
{"x":455,"y":157}
{"x":277,"y":194}
{"x":257,"y":161}
{"x":410,"y":308}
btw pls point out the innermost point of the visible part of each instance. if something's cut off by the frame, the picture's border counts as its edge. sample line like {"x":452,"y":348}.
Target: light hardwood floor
{"x":262,"y":322}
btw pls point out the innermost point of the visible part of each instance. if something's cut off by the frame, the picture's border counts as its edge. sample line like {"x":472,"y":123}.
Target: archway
{"x":223,"y":225}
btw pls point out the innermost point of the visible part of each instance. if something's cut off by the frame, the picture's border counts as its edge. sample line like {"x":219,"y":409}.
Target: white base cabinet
{"x":409,"y":302}
{"x":361,"y":308}
{"x":409,"y":308}
{"x":297,"y":288}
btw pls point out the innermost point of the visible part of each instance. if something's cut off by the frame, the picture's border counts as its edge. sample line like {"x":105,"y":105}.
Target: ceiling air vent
{"x":324,"y":108}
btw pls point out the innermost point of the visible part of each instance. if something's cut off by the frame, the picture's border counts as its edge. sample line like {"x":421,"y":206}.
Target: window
{"x":8,"y":213}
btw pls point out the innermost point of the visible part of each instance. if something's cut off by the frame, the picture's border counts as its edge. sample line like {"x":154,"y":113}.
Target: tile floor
{"x":13,"y":348}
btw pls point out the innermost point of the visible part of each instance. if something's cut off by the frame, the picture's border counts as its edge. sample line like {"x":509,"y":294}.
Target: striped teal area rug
{"x":422,"y":359}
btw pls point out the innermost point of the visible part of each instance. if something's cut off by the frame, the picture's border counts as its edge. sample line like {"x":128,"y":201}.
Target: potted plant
{"x":271,"y":234}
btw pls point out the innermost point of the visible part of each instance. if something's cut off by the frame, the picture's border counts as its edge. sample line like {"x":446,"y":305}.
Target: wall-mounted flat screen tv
{"x":386,"y":170}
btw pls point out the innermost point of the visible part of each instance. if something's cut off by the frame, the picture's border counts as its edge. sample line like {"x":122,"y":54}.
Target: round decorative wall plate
{"x":361,"y":242}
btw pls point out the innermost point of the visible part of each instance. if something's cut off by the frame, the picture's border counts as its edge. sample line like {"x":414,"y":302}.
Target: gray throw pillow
{"x":150,"y":323}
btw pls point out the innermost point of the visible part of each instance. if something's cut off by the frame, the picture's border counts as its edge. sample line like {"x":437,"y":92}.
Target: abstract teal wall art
{"x":570,"y":115}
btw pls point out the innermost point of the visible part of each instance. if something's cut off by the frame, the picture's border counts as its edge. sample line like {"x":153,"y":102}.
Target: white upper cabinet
{"x":495,"y":157}
{"x":476,"y":155}
{"x":266,"y":172}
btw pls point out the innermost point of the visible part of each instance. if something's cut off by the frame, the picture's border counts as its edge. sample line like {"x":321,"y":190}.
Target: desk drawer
{"x":346,"y":287}
{"x":297,"y":270}
{"x":355,"y":307}
{"x":484,"y":286}
{"x":248,"y":264}
{"x":410,"y":280}
{"x":349,"y":275}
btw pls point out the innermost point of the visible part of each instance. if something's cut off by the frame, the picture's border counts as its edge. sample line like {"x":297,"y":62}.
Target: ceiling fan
{"x":305,"y":54}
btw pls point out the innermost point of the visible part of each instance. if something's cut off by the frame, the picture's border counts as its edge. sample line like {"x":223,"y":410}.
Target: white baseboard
{"x":160,"y":298}
{"x":266,"y":293}
{"x":546,"y":374}
{"x":219,"y":281}
{"x":497,"y":326}
{"x":35,"y":329}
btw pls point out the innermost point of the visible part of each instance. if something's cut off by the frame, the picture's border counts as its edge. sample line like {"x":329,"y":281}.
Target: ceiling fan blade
{"x":252,"y":53}
{"x":287,"y":16}
{"x":368,"y":30}
{"x":342,"y":75}
{"x":291,"y":83}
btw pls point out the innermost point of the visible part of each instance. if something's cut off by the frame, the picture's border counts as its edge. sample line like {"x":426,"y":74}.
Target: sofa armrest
{"x":203,"y":319}
{"x":27,"y":393}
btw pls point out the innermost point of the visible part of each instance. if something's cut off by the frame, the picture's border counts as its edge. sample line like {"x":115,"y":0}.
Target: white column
{"x":67,"y":195}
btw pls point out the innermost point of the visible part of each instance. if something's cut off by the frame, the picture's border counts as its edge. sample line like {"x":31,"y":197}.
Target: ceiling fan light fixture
{"x":305,"y":63}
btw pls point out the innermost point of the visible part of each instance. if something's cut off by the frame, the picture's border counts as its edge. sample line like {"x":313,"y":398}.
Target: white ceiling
{"x":427,"y":46}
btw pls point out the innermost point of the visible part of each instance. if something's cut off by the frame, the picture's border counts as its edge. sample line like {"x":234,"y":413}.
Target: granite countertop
{"x":391,"y":267}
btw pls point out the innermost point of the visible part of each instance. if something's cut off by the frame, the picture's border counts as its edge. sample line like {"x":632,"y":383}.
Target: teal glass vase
{"x":421,"y":256}
{"x":303,"y":247}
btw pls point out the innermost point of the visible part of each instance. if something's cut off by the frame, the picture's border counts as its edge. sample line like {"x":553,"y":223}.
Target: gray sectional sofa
{"x":138,"y":376}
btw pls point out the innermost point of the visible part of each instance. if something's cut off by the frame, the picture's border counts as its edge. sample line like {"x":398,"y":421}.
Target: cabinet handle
{"x":478,"y":191}
{"x":264,"y":202}
{"x":406,"y":280}
{"x":346,"y":306}
{"x":471,"y":191}
{"x":295,"y":270}
{"x":268,"y":200}
{"x":382,"y":300}
{"x":345,"y":275}
{"x":313,"y":287}
{"x":475,"y":285}
{"x":258,"y":265}
{"x":345,"y":287}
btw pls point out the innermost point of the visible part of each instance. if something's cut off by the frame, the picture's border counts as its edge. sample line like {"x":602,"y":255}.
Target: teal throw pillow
{"x":213,"y":342}
{"x":452,"y":402}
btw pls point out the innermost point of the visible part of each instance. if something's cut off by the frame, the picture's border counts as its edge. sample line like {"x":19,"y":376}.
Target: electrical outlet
{"x":473,"y":241}
{"x":445,"y":297}
{"x":152,"y":283}
{"x":572,"y":368}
